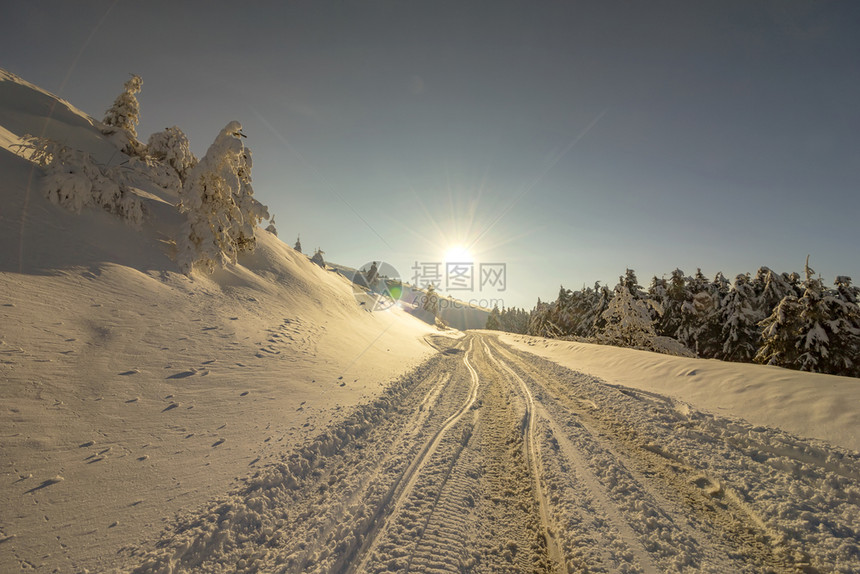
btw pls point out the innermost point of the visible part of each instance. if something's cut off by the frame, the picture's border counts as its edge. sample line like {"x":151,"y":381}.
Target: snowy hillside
{"x":131,"y":391}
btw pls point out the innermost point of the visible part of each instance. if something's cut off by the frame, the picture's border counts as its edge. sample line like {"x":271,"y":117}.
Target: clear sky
{"x":569,"y":140}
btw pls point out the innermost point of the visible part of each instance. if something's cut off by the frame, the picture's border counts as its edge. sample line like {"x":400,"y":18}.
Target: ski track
{"x":488,"y":459}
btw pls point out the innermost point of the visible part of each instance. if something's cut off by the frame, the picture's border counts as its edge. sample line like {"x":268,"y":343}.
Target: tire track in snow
{"x":712,"y":529}
{"x":406,"y":483}
{"x":532,"y":452}
{"x":472,"y":506}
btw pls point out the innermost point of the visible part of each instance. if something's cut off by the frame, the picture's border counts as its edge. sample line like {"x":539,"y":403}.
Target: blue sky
{"x":567,"y":140}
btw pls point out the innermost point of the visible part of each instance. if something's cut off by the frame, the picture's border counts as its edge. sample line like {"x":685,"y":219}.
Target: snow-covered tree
{"x":671,"y":295}
{"x":771,"y":288}
{"x":493,"y":322}
{"x":431,"y":301}
{"x":318,"y":257}
{"x":628,"y":318}
{"x":817,"y":332}
{"x":630,"y":281}
{"x":217,"y":199}
{"x":740,"y":331}
{"x":74,"y":180}
{"x":847,"y":292}
{"x":298,"y":245}
{"x":601,"y":298}
{"x":780,"y":335}
{"x":172,"y":147}
{"x":271,"y":227}
{"x":539,"y":320}
{"x":122,"y":117}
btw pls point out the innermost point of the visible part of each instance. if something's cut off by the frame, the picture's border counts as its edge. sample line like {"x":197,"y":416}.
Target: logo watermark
{"x":377,"y":285}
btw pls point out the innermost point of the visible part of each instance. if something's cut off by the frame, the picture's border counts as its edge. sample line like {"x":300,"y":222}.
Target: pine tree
{"x":817,"y":332}
{"x":672,"y":302}
{"x":431,"y":301}
{"x":628,"y":318}
{"x":74,"y":180}
{"x":122,"y":117}
{"x":298,"y":245}
{"x":271,"y":227}
{"x":493,"y":322}
{"x":539,"y":320}
{"x":740,"y":319}
{"x":827,"y":336}
{"x":847,"y":292}
{"x":602,"y":297}
{"x":780,"y":335}
{"x":172,"y":147}
{"x":319,"y":258}
{"x":218,"y":202}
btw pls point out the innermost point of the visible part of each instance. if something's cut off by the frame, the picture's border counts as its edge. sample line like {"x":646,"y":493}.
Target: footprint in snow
{"x":220,"y":441}
{"x":127,"y":373}
{"x":46,"y":484}
{"x":183,"y":374}
{"x":169,"y":407}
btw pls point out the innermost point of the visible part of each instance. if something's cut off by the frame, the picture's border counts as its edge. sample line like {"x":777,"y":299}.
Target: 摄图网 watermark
{"x":453,"y":276}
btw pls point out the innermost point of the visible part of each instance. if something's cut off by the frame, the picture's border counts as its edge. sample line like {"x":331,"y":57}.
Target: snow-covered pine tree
{"x":74,"y":180}
{"x":271,"y":227}
{"x":673,"y":299}
{"x":538,"y":324}
{"x":816,"y":332}
{"x":630,"y":281}
{"x":252,"y":211}
{"x":319,"y":258}
{"x":218,"y":202}
{"x":600,"y":303}
{"x":847,"y":292}
{"x":121,"y":119}
{"x":780,"y":335}
{"x":826,"y":331}
{"x":657,"y":291}
{"x":707,"y":306}
{"x":298,"y":245}
{"x":740,"y":331}
{"x":699,"y":328}
{"x":628,"y":318}
{"x":847,"y":343}
{"x":563,"y":315}
{"x":431,"y":301}
{"x":493,"y":322}
{"x":172,"y":147}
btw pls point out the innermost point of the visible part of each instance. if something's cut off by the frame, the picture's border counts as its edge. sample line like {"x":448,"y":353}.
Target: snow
{"x":260,"y":416}
{"x":809,"y":405}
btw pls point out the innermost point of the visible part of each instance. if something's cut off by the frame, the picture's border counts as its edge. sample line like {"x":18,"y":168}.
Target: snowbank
{"x":810,"y":405}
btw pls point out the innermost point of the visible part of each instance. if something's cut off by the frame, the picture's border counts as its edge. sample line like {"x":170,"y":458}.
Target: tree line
{"x":782,"y":319}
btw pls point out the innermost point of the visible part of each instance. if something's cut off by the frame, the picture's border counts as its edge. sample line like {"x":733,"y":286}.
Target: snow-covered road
{"x":488,"y":459}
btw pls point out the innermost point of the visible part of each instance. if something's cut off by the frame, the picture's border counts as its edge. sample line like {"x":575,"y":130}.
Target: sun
{"x":458,"y":254}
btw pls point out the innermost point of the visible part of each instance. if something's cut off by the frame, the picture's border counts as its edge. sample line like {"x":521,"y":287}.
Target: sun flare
{"x":458,"y":254}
